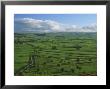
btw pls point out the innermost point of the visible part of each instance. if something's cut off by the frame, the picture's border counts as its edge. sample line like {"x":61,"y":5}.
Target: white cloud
{"x":36,"y":25}
{"x":90,"y":28}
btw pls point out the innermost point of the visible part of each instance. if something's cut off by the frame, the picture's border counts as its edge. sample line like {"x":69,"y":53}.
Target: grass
{"x":56,"y":54}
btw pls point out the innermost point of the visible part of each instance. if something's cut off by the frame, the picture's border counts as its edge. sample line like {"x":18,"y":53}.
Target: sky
{"x":55,"y":22}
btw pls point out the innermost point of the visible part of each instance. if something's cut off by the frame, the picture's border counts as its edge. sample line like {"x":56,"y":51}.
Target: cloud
{"x":36,"y":25}
{"x":90,"y":28}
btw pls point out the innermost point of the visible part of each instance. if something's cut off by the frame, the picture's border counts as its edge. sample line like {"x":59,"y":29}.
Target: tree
{"x":54,"y":47}
{"x":72,"y":70}
{"x":78,"y":67}
{"x":58,"y":64}
{"x":62,"y":69}
{"x":77,"y":60}
{"x":77,"y":47}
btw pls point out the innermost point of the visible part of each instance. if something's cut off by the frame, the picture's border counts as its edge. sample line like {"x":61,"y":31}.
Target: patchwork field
{"x":55,"y":54}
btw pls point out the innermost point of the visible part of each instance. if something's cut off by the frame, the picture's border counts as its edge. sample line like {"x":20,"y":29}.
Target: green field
{"x":55,"y":54}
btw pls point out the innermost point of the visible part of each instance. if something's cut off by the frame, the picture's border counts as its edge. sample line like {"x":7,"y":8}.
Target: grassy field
{"x":55,"y":54}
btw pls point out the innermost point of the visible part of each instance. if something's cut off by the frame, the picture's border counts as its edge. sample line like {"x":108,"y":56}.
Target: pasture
{"x":55,"y":54}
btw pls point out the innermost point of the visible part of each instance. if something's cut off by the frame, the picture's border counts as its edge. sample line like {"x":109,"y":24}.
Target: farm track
{"x":30,"y":63}
{"x":22,"y":69}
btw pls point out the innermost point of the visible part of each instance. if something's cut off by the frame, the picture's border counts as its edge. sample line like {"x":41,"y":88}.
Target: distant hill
{"x":63,"y":34}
